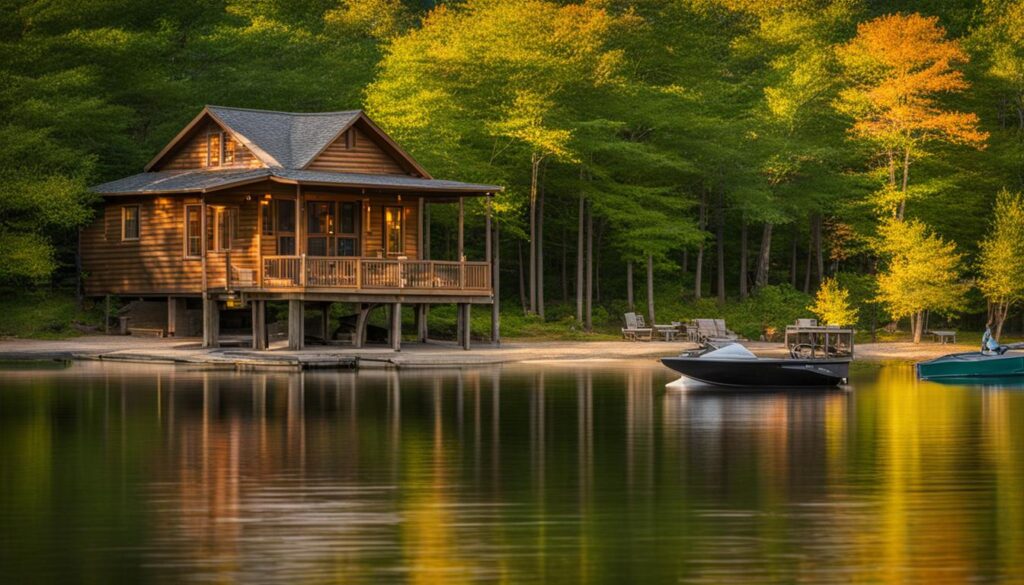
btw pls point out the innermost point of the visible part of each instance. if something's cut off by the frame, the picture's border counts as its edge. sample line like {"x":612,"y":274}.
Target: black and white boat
{"x":735,"y":365}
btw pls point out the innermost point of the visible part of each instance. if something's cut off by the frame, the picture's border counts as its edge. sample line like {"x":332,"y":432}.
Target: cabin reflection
{"x":432,"y":472}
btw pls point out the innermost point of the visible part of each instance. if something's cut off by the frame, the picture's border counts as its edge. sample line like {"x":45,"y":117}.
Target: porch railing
{"x":373,"y":273}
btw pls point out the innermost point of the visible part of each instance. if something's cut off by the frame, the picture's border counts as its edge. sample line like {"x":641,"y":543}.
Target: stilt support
{"x":359,"y":335}
{"x":465,"y":312}
{"x":211,"y":322}
{"x":296,"y":325}
{"x":421,"y":322}
{"x":260,"y":339}
{"x":396,"y":326}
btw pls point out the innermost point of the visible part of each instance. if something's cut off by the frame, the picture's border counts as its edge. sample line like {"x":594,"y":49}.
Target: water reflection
{"x":533,"y":473}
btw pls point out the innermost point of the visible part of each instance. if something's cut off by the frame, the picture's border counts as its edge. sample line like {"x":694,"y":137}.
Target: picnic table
{"x":668,"y":331}
{"x":943,"y":336}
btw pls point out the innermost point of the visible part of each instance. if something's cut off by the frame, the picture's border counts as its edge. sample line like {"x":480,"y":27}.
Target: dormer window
{"x":214,"y":148}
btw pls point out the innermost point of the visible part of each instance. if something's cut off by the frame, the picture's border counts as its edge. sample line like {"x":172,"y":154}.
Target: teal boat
{"x":973,"y":365}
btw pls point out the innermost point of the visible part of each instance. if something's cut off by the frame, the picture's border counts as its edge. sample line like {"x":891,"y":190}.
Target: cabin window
{"x":213,"y":148}
{"x":226,"y":227}
{"x":193,"y":231}
{"x":285,"y":227}
{"x":267,"y":218}
{"x":229,"y":150}
{"x":350,"y":139}
{"x":393,"y":230}
{"x":130,"y":222}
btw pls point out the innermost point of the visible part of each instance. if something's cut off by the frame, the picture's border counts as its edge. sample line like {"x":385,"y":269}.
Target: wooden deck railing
{"x":373,"y":273}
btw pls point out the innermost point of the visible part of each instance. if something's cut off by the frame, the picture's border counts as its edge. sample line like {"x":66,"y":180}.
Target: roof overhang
{"x":192,"y":182}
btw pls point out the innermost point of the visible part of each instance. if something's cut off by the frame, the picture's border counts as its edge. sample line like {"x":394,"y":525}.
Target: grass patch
{"x":46,"y":315}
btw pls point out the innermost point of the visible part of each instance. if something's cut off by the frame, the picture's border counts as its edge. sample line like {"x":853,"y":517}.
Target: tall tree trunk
{"x":650,"y":289}
{"x":1002,"y":309}
{"x":810,"y":254}
{"x":720,"y":246}
{"x":792,"y":256}
{"x":540,"y":244}
{"x":522,"y":278}
{"x":588,"y":324}
{"x":629,"y":285}
{"x":599,"y":234}
{"x":579,"y":259}
{"x":534,"y":172}
{"x":906,"y":176}
{"x":743,"y":259}
{"x":819,"y":248}
{"x":764,"y":255}
{"x":919,"y":327}
{"x":698,"y":269}
{"x":565,"y":265}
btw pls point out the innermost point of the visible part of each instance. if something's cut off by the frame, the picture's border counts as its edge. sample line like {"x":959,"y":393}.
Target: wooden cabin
{"x":244,"y":207}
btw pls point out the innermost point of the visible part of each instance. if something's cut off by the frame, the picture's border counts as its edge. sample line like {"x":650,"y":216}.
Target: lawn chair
{"x":635,"y":329}
{"x":724,"y":332}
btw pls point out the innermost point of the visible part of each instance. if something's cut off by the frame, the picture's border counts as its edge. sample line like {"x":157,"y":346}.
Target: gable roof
{"x":290,"y":140}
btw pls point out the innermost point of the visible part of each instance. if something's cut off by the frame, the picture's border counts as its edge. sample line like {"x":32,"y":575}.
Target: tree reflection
{"x":113,"y":472}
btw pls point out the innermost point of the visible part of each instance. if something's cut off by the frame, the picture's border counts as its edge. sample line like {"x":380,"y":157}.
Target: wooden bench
{"x":146,"y":331}
{"x":943,"y":336}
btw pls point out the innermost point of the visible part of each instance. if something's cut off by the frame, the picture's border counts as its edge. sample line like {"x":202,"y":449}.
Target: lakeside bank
{"x":413,"y":355}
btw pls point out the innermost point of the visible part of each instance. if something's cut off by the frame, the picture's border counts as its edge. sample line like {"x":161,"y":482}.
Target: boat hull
{"x":778,"y":373}
{"x":972,"y":365}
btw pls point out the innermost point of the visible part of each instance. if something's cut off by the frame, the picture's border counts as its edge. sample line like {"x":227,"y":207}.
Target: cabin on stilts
{"x":249,"y":207}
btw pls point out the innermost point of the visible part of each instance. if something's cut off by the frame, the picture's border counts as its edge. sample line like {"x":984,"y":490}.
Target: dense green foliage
{"x":744,"y":150}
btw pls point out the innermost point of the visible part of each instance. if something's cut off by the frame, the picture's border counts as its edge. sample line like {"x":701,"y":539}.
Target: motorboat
{"x":735,"y":365}
{"x":1006,"y":363}
{"x":993,"y":361}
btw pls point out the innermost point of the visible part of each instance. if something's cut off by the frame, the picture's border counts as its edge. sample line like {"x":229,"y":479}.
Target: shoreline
{"x":188,"y":351}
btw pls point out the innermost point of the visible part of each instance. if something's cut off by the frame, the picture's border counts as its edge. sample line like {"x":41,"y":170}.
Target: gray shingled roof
{"x":292,"y":140}
{"x":201,"y":181}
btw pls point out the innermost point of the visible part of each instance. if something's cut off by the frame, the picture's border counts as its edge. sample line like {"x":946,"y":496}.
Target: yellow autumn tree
{"x":1002,"y":259}
{"x":897,"y":67}
{"x":921,"y":273}
{"x":832,"y":304}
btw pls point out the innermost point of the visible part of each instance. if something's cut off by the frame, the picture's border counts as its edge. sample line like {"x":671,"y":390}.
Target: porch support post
{"x":496,"y":288}
{"x":359,"y":335}
{"x":421,"y":322}
{"x":426,"y":231}
{"x":259,"y":325}
{"x":211,"y":322}
{"x":300,"y":239}
{"x":462,"y":225}
{"x":396,"y":326}
{"x":420,"y":222}
{"x":296,"y":324}
{"x":465,"y":312}
{"x":487,"y":229}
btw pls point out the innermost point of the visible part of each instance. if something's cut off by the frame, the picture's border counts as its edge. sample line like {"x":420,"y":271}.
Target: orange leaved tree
{"x":897,"y":67}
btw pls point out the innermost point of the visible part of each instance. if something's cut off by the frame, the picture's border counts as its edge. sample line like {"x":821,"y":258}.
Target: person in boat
{"x":989,"y":345}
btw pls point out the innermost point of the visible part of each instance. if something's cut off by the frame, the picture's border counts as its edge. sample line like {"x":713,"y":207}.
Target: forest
{"x":689,"y":158}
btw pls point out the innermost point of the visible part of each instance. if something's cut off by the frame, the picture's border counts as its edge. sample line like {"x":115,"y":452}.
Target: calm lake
{"x":115,"y":473}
